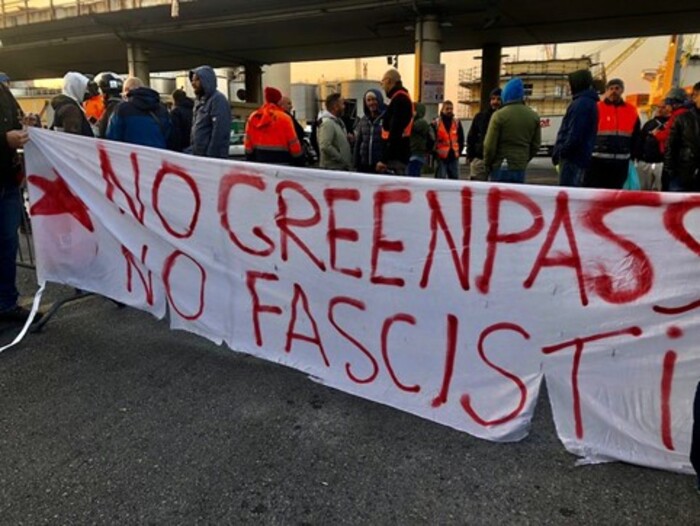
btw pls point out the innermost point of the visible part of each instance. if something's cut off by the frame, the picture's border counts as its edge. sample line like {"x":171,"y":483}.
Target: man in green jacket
{"x":513,"y":137}
{"x":420,"y":137}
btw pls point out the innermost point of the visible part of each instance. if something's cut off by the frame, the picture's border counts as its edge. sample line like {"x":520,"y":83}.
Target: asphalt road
{"x":108,"y":417}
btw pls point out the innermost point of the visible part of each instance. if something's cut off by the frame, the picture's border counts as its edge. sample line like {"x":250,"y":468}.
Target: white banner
{"x":447,"y":299}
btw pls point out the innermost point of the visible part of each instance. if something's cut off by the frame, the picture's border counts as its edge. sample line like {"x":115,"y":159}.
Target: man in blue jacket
{"x":211,"y":126}
{"x":576,"y":137}
{"x":142,"y":119}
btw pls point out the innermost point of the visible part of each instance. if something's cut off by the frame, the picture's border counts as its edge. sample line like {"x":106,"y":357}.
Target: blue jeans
{"x":10,"y":218}
{"x":415,"y":165}
{"x":507,"y":176}
{"x":570,"y":174}
{"x":447,"y":169}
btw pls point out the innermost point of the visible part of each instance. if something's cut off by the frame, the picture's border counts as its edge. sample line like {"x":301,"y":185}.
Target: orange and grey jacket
{"x":618,"y":131}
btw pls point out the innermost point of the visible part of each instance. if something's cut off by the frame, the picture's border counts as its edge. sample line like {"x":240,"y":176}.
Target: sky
{"x":648,"y":56}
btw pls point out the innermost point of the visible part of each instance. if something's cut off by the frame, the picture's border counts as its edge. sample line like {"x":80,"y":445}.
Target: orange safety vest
{"x":409,"y":127}
{"x":447,"y":140}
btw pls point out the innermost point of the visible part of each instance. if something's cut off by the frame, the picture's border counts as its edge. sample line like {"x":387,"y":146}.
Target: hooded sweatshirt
{"x":211,"y":126}
{"x":576,"y":137}
{"x":69,"y":115}
{"x":142,"y":119}
{"x":367,"y":151}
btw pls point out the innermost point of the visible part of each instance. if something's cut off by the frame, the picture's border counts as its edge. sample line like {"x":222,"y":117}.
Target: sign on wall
{"x":433,"y":83}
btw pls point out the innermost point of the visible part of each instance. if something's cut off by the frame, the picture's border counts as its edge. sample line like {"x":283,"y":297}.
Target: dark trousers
{"x":695,"y":443}
{"x":606,"y":173}
{"x":10,"y":218}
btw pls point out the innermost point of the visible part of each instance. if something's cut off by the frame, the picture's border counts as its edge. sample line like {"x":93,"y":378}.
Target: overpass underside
{"x":233,"y":32}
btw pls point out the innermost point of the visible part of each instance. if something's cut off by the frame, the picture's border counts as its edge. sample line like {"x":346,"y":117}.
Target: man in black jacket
{"x":181,"y":117}
{"x":682,"y":161}
{"x":476,"y":136}
{"x":396,"y":126}
{"x":11,"y":137}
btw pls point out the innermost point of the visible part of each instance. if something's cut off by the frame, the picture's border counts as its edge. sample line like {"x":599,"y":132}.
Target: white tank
{"x":305,"y":101}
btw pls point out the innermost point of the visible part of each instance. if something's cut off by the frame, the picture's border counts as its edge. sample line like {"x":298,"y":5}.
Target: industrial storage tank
{"x":305,"y":99}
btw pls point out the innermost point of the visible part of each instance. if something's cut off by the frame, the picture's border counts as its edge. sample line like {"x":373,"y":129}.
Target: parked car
{"x":236,"y":147}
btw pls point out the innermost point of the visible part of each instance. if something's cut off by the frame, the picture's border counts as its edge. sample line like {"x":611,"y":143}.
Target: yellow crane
{"x":615,"y":63}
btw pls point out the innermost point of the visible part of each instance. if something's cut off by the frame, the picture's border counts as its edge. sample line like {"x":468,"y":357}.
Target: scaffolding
{"x":546,"y":84}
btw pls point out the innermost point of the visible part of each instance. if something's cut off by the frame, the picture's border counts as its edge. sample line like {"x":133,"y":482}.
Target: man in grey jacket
{"x":211,"y":124}
{"x":333,"y":136}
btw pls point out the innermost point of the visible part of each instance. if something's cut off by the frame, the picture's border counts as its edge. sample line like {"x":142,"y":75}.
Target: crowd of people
{"x":598,"y":142}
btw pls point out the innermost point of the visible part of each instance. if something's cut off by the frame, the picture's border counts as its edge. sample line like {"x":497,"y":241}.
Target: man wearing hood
{"x":367,"y":151}
{"x":270,"y":136}
{"x":616,"y":141}
{"x":333,"y":136}
{"x":513,"y":137}
{"x":422,"y":140}
{"x":477,"y":134}
{"x":69,"y":115}
{"x":576,"y":138}
{"x":142,"y":119}
{"x":211,"y":126}
{"x":449,"y":141}
{"x":181,"y":117}
{"x":396,"y":125}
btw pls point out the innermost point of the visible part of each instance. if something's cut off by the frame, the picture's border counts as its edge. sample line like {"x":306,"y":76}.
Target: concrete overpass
{"x":232,"y":32}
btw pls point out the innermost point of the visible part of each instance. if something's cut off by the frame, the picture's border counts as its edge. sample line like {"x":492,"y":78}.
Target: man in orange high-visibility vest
{"x":449,"y":142}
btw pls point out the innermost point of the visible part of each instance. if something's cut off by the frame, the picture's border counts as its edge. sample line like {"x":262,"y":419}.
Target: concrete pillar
{"x":253,"y":83}
{"x":278,"y":76}
{"x":137,"y":57}
{"x":427,"y":51}
{"x":490,"y":71}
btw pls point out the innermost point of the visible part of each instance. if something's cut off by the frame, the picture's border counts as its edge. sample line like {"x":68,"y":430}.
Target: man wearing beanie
{"x":513,"y":137}
{"x":211,"y":123}
{"x":476,"y":136}
{"x":576,"y":137}
{"x":616,"y":142}
{"x":269,"y":134}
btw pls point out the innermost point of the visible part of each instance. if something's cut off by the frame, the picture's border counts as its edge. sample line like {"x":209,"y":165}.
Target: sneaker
{"x":17,"y":315}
